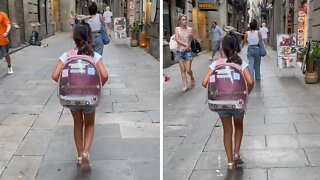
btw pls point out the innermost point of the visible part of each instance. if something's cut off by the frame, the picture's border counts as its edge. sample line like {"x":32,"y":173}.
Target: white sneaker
{"x":210,"y":58}
{"x":10,"y":71}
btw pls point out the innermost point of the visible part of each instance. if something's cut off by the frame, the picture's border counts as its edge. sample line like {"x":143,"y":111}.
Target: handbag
{"x":105,"y":36}
{"x":173,"y":45}
{"x":195,"y":46}
{"x":262,"y":50}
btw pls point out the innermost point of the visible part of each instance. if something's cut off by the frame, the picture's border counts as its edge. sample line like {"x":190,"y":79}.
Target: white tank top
{"x":95,"y":23}
{"x":253,"y":37}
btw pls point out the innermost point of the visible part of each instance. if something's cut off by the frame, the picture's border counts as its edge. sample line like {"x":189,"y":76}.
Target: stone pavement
{"x":36,"y":133}
{"x":281,"y":128}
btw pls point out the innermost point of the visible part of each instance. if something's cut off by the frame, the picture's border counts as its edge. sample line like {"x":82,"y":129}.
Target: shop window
{"x":166,"y":21}
{"x":180,"y":10}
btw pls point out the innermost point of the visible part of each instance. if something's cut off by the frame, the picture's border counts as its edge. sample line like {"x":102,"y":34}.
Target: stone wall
{"x":154,"y":34}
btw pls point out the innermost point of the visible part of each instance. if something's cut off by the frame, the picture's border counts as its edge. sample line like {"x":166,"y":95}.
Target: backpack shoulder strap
{"x":219,"y":62}
{"x":71,"y":53}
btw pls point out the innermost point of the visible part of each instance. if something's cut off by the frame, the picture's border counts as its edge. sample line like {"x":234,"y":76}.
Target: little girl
{"x":83,"y":117}
{"x":230,"y":47}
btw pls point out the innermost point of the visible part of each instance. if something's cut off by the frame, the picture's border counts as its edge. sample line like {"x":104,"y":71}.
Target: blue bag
{"x":262,"y":50}
{"x":105,"y":36}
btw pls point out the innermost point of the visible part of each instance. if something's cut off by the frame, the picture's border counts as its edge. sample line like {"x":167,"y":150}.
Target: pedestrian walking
{"x":231,"y":48}
{"x":253,"y":37}
{"x":72,"y":20}
{"x":96,"y":22}
{"x":184,"y":36}
{"x":216,"y":37}
{"x":264,"y":34}
{"x":108,"y":19}
{"x":83,"y":117}
{"x":5,"y":28}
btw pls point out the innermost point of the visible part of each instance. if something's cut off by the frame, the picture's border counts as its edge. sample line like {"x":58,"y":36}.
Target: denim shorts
{"x":85,"y":110}
{"x":216,"y":45}
{"x":236,"y":113}
{"x":185,"y":56}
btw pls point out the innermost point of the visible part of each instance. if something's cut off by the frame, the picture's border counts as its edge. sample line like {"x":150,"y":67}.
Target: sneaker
{"x":210,"y":58}
{"x":10,"y":71}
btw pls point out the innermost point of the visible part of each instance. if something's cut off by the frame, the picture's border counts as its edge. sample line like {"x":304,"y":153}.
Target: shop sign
{"x":120,"y":27}
{"x":302,"y":26}
{"x":131,"y":12}
{"x":286,"y":51}
{"x":207,"y":5}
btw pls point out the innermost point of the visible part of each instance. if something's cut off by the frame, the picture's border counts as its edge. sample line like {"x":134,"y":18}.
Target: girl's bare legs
{"x":78,"y":130}
{"x":227,"y":136}
{"x":238,"y":126}
{"x":88,"y":136}
{"x":183,"y":75}
{"x":189,"y":71}
{"x":88,"y":131}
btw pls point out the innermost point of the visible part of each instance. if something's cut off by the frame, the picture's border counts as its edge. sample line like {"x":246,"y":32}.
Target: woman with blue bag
{"x":97,"y":25}
{"x":255,"y":49}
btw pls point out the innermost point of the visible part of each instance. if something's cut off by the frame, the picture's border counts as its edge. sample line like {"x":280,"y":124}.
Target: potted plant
{"x":312,"y":56}
{"x":134,"y":28}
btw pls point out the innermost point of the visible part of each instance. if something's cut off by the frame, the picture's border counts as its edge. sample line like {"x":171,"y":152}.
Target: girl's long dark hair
{"x":82,"y":36}
{"x":231,"y":48}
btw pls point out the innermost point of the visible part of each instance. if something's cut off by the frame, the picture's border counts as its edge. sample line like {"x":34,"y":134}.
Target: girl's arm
{"x":103,"y":72}
{"x":191,"y":37}
{"x":56,"y":71}
{"x":249,"y":79}
{"x":206,"y":78}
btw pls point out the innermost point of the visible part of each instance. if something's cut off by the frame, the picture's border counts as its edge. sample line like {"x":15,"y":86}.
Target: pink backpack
{"x":79,"y":83}
{"x":227,"y":88}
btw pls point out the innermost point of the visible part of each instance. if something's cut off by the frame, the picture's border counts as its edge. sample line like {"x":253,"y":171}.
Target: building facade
{"x":200,"y":15}
{"x":146,"y":12}
{"x":288,"y":11}
{"x":44,"y":16}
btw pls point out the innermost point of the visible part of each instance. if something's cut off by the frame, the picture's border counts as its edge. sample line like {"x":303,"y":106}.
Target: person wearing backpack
{"x":183,"y":37}
{"x":252,"y":37}
{"x":231,"y":48}
{"x":96,"y":23}
{"x":83,"y":117}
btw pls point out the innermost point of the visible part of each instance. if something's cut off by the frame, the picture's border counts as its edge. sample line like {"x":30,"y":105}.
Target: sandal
{"x":193,"y":82}
{"x":85,"y":164}
{"x":231,"y":165}
{"x":79,"y":159}
{"x":237,"y":159}
{"x":184,"y":89}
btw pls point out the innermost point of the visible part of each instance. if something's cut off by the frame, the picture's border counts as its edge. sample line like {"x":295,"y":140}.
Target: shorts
{"x":233,"y":113}
{"x":185,"y":56}
{"x":216,"y":45}
{"x":85,"y":110}
{"x":265,"y":41}
{"x":4,"y":50}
